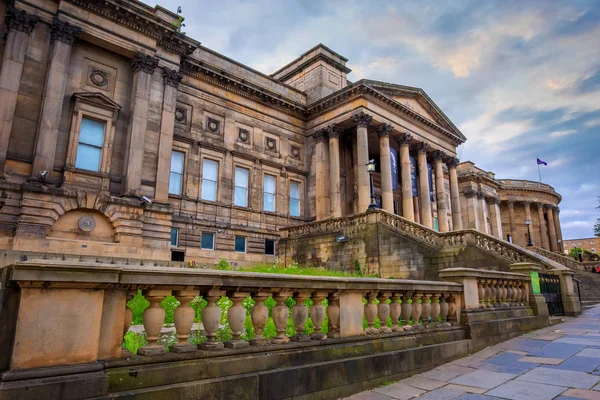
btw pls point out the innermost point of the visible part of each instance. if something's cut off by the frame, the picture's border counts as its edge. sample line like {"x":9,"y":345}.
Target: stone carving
{"x":172,"y":77}
{"x":243,"y":135}
{"x":270,"y":144}
{"x":470,"y":192}
{"x":480,"y":194}
{"x":20,"y":20}
{"x":213,"y":125}
{"x":452,"y":162}
{"x":87,"y":223}
{"x":422,"y":147}
{"x":320,"y":135}
{"x":492,"y":200}
{"x":99,"y":77}
{"x":438,"y":155}
{"x":144,"y":63}
{"x":333,"y":131}
{"x":384,"y":130}
{"x":362,"y":119}
{"x":64,"y":32}
{"x":295,"y":152}
{"x":404,"y":138}
{"x":31,"y":231}
{"x":180,"y":115}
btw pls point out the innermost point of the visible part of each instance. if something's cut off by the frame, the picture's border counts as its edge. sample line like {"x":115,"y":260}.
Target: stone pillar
{"x":570,"y":299}
{"x":561,"y":245}
{"x":387,"y":196}
{"x":19,"y":25}
{"x":543,"y":232}
{"x":536,"y":301}
{"x":322,"y":203}
{"x":354,"y":175}
{"x":472,"y":209}
{"x":408,"y":211}
{"x":454,"y":194}
{"x":334,"y":172}
{"x":143,"y":67}
{"x":63,"y":36}
{"x":172,"y":79}
{"x":482,"y":213}
{"x":552,"y":229}
{"x":495,"y":217}
{"x":362,"y":144}
{"x":425,"y":213}
{"x":511,"y":219}
{"x":440,"y":192}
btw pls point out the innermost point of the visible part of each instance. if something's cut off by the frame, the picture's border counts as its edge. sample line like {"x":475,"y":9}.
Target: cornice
{"x":312,"y":60}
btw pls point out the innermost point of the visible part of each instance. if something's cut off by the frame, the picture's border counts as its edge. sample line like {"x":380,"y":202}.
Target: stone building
{"x":122,"y":137}
{"x":591,"y":244}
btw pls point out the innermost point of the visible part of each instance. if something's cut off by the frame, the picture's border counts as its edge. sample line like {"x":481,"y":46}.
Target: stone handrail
{"x":331,"y":225}
{"x":525,"y":184}
{"x":566,"y":260}
{"x":73,"y":314}
{"x":421,"y":233}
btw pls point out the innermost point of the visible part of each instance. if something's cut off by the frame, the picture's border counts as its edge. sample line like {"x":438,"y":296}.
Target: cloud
{"x":562,"y":133}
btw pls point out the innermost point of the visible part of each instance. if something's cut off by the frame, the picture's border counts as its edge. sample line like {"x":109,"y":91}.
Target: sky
{"x":521,"y":79}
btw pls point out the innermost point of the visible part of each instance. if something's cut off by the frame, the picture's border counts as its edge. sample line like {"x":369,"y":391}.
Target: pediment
{"x":97,"y":99}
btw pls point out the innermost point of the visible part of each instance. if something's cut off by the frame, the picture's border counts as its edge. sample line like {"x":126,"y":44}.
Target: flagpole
{"x":539,"y":172}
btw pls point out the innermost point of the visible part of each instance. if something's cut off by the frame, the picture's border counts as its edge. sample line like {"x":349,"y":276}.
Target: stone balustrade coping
{"x":477,"y":273}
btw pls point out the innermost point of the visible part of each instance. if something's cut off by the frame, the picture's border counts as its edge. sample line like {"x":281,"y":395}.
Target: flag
{"x":541,"y":162}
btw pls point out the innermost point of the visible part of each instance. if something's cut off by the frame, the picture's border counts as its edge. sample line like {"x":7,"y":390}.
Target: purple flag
{"x":541,"y":162}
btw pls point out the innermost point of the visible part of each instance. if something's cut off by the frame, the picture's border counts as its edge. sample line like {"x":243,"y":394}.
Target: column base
{"x":318,"y":336}
{"x":280,"y":340}
{"x":236,"y":344}
{"x":183,"y":348}
{"x":300,"y":338}
{"x":538,"y":304}
{"x":211,"y":346}
{"x":259,"y":341}
{"x":151,"y":350}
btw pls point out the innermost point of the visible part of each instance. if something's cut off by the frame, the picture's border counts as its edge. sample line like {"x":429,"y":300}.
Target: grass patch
{"x":301,"y":270}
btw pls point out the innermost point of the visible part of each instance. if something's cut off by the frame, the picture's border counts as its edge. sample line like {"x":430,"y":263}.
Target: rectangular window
{"x":174,"y":237}
{"x":269,"y":192}
{"x":269,"y":247}
{"x":176,"y":176}
{"x":208,"y":241}
{"x":241,"y":187}
{"x":210,"y":173}
{"x":89,"y":148}
{"x":294,"y":199}
{"x":240,"y":244}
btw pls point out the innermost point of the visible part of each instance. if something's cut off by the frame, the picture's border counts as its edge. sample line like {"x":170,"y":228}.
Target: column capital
{"x":172,"y":77}
{"x":384,"y":130}
{"x":320,"y":135}
{"x":144,"y":62}
{"x":64,"y":31}
{"x":510,"y":203}
{"x":527,"y":203}
{"x":480,"y":194}
{"x":452,"y":162}
{"x":539,"y":205}
{"x":438,"y":155}
{"x":422,"y":147}
{"x":470,"y":192}
{"x":20,"y":20}
{"x":404,"y":139}
{"x":492,"y":200}
{"x":362,"y":119}
{"x":333,"y":131}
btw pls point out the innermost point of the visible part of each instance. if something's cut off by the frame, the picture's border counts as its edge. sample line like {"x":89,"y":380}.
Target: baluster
{"x":281,"y":313}
{"x":184,"y":320}
{"x":236,"y":316}
{"x":417,"y":309}
{"x":443,"y":309}
{"x":515,"y":296}
{"x":371,"y":313}
{"x":211,"y":319}
{"x":300,"y":316}
{"x":493,"y":292}
{"x":524,"y":294}
{"x":128,"y":314}
{"x":333,"y":315}
{"x":486,"y":293}
{"x":519,"y":291}
{"x":504,"y":293}
{"x":406,"y":311}
{"x":509,"y":293}
{"x":383,"y":312}
{"x":317,"y":315}
{"x":452,"y":318}
{"x":481,"y":293}
{"x":259,"y":316}
{"x":395,"y":311}
{"x":426,"y":306}
{"x":154,"y":319}
{"x":435,"y":309}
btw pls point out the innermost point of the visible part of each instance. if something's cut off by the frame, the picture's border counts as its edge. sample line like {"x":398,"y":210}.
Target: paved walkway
{"x":560,"y":362}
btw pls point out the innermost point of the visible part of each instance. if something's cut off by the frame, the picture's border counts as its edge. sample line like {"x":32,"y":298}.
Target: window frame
{"x":182,"y":175}
{"x":99,"y":148}
{"x":245,"y":244}
{"x":176,"y":245}
{"x":247,"y":197}
{"x":274,"y":194}
{"x":216,"y":182}
{"x":274,"y":245}
{"x":290,"y":198}
{"x":213,"y":240}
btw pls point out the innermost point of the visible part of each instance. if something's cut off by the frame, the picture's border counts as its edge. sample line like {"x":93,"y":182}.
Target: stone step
{"x":555,"y":320}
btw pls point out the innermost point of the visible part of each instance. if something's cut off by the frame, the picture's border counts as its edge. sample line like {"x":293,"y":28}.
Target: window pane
{"x":208,"y":240}
{"x":241,"y":197}
{"x":269,"y":202}
{"x":174,"y":237}
{"x":177,"y":162}
{"x":210,"y":170}
{"x":269,"y":247}
{"x":209,"y":190}
{"x":294,"y":208}
{"x":175,"y":183}
{"x":241,"y":177}
{"x":240,"y":244}
{"x":294,"y":190}
{"x":269,"y":184}
{"x":88,"y":157}
{"x":91,"y":132}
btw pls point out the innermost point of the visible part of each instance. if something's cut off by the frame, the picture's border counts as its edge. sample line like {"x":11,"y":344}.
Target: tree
{"x":597,"y":225}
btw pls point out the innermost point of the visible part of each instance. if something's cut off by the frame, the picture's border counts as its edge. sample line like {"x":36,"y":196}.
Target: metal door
{"x":550,"y":288}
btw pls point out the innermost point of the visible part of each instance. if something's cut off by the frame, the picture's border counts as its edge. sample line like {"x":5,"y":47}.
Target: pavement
{"x":560,"y":362}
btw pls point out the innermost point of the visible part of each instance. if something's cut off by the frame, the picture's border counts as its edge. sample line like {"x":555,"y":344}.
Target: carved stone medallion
{"x":181,"y":115}
{"x":243,"y":135}
{"x":295,"y":152}
{"x":213,"y":125}
{"x":270,"y":144}
{"x":87,"y":223}
{"x":99,"y":77}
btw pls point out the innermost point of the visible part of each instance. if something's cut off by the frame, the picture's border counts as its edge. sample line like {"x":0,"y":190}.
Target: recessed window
{"x":240,"y":244}
{"x":208,"y":241}
{"x":210,"y":172}
{"x":269,"y":247}
{"x":174,"y":237}
{"x":89,"y":148}
{"x":176,"y":176}
{"x":269,"y":192}
{"x":240,"y":197}
{"x":294,"y":199}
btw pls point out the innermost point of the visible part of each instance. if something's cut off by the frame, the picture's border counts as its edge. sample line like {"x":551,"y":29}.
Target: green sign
{"x":535,"y":283}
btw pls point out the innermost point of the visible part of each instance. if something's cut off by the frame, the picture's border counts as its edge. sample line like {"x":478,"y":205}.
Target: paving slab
{"x":523,"y":344}
{"x":369,"y":396}
{"x":558,"y":350}
{"x":399,"y":391}
{"x":582,"y":394}
{"x":419,"y":382}
{"x":471,"y":396}
{"x":542,"y":360}
{"x":516,"y":390}
{"x":467,"y":361}
{"x":583,"y":364}
{"x":516,"y":369}
{"x":552,"y":376}
{"x":589,"y":353}
{"x":446,"y":372}
{"x":442,"y":394}
{"x":468,"y":389}
{"x":582,"y":341}
{"x":483,"y":379}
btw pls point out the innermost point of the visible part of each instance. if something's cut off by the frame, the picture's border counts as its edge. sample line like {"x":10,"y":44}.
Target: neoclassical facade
{"x":122,"y":137}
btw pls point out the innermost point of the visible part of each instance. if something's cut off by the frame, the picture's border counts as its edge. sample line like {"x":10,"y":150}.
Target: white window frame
{"x":99,"y":148}
{"x":181,"y":175}
{"x":177,"y":240}
{"x":265,"y":193}
{"x":299,"y":199}
{"x":235,"y":187}
{"x":216,"y":181}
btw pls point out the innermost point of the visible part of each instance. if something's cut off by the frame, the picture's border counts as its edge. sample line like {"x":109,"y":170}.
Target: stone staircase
{"x":589,"y":287}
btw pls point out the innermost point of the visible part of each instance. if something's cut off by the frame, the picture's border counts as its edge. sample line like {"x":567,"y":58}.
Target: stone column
{"x":424,"y":186}
{"x":561,"y":246}
{"x":143,"y":67}
{"x":63,"y":35}
{"x":334,"y":172}
{"x":552,"y":229}
{"x":454,"y":194}
{"x":440,"y":192}
{"x":472,"y":209}
{"x":408,"y":211}
{"x":495,"y":217}
{"x":387,"y":196}
{"x":354,"y":175}
{"x":542,"y":221}
{"x":362,"y":144}
{"x":511,"y":219}
{"x":482,"y":213}
{"x":322,"y":203}
{"x":172,"y":79}
{"x":19,"y":25}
